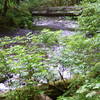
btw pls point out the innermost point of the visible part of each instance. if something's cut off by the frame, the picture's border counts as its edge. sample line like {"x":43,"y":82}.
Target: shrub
{"x":49,"y":37}
{"x":90,"y":20}
{"x":80,"y":52}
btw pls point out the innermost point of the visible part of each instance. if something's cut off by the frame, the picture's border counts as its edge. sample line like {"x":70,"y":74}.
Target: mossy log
{"x":51,"y":90}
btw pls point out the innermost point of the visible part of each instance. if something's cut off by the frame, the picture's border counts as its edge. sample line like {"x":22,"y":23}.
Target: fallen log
{"x":55,"y":14}
{"x":51,"y":91}
{"x":44,"y":13}
{"x":57,"y":11}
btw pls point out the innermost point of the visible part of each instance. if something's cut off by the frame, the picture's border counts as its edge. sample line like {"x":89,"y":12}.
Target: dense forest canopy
{"x":49,"y":58}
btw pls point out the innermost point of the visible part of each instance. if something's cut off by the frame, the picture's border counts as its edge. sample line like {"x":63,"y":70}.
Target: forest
{"x":49,"y":49}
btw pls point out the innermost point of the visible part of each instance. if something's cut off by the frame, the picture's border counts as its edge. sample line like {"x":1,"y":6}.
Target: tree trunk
{"x":5,"y":8}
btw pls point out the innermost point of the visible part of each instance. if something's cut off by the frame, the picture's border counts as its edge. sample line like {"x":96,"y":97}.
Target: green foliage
{"x":28,"y":57}
{"x":52,"y":2}
{"x":24,"y":56}
{"x":19,"y":11}
{"x":49,"y":37}
{"x":88,"y":91}
{"x":82,"y":56}
{"x":80,"y":53}
{"x":95,"y":71}
{"x":19,"y":14}
{"x":23,"y":93}
{"x":65,"y":98}
{"x":96,"y":68}
{"x":90,"y":20}
{"x":4,"y":63}
{"x":89,"y":1}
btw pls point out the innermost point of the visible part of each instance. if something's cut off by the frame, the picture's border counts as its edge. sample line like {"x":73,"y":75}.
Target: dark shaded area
{"x":15,"y":32}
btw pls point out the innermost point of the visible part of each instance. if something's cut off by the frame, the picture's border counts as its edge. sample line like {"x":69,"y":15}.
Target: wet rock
{"x":9,"y":75}
{"x":4,"y":78}
{"x":89,"y":35}
{"x":23,"y":83}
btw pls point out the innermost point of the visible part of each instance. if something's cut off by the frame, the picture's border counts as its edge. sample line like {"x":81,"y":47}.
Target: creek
{"x":68,"y":27}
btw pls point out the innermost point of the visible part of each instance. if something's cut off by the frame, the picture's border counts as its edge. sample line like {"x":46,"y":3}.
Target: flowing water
{"x":68,"y":27}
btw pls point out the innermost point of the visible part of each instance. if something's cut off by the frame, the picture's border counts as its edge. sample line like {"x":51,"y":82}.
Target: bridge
{"x":57,"y":11}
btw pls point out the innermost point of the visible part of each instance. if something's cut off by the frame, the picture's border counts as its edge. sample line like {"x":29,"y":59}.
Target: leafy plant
{"x":49,"y":37}
{"x":89,"y":20}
